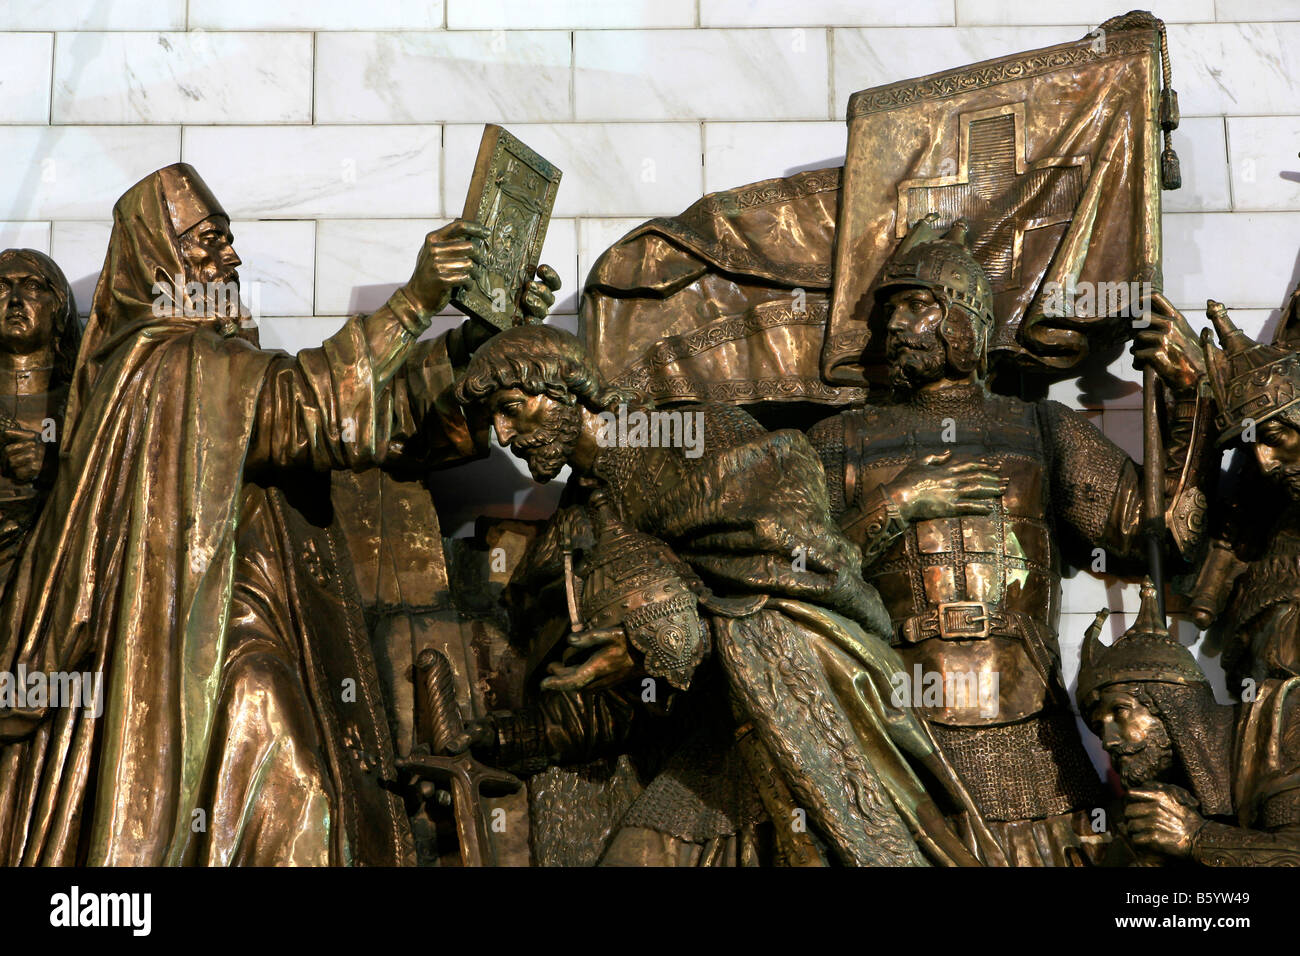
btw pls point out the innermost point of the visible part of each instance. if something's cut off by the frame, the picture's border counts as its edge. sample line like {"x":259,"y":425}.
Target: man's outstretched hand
{"x":447,"y":259}
{"x":1168,"y":344}
{"x":609,"y":663}
{"x":539,"y":293}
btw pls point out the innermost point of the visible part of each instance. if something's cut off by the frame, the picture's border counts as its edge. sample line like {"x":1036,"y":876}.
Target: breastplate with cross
{"x":974,"y":599}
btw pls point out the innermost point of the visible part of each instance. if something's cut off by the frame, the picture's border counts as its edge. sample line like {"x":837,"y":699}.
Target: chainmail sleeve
{"x":1096,"y":487}
{"x":827,"y":438}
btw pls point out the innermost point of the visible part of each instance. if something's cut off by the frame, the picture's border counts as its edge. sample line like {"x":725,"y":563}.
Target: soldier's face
{"x":1277,"y":449}
{"x":916,"y":353}
{"x":1135,"y":738}
{"x":27,"y":302}
{"x":537,"y":428}
{"x":209,"y":253}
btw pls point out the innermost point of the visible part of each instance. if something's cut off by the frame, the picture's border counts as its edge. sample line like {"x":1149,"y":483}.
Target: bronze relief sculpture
{"x":1213,"y":784}
{"x":39,"y":337}
{"x":959,"y":499}
{"x":756,"y":605}
{"x":823,"y":645}
{"x":167,"y":562}
{"x":1253,"y":567}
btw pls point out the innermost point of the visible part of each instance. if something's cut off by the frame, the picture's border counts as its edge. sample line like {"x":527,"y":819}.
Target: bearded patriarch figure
{"x":169,"y":561}
{"x":39,"y":336}
{"x":1213,"y":784}
{"x":958,"y":499}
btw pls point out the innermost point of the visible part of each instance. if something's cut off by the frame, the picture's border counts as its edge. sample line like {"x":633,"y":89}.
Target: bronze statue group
{"x":707,"y":642}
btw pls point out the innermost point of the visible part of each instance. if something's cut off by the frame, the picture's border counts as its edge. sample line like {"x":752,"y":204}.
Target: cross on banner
{"x":997,"y":191}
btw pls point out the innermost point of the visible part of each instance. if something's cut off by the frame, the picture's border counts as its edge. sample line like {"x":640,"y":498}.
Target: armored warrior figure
{"x":717,"y":574}
{"x":1218,"y":785}
{"x":1257,"y":389}
{"x":958,"y":499}
{"x":39,"y":337}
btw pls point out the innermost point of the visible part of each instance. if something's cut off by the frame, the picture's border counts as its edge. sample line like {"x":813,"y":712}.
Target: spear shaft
{"x":1153,"y":491}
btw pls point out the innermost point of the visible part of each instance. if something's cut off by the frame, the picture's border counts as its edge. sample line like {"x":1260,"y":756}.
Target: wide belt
{"x":959,"y":621}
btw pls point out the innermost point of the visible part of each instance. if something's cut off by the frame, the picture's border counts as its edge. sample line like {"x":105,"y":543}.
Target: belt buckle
{"x":963,"y":620}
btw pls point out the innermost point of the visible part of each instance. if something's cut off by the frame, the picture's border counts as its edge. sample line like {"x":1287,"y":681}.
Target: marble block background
{"x":338,"y":133}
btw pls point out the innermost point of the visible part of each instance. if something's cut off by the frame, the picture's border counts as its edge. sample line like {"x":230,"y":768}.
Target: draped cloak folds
{"x":799,"y":645}
{"x":151,"y":558}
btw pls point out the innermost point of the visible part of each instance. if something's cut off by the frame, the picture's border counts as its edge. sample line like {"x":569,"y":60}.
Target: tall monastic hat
{"x":942,"y":264}
{"x":189,"y":200}
{"x":1146,"y":652}
{"x":1249,"y":380}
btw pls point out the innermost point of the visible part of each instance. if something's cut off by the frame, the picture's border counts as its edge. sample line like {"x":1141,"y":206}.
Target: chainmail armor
{"x":1085,"y":490}
{"x":827,"y":439}
{"x":1023,"y":771}
{"x":703,"y":793}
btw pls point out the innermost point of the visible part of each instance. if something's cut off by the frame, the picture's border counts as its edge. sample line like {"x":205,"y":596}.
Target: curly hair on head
{"x":539,"y":360}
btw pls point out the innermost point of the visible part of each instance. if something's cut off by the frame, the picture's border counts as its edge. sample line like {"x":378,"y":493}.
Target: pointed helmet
{"x":1251,"y":381}
{"x":1146,"y":652}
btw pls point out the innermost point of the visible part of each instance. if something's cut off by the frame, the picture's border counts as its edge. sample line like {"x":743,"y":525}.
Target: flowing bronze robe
{"x":136,"y":568}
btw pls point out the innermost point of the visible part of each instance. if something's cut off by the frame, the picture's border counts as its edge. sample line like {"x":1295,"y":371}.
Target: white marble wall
{"x":337,"y":133}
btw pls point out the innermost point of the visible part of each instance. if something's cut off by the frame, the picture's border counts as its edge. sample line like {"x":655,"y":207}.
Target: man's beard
{"x":550,"y":445}
{"x":1146,"y":763}
{"x":915,"y":360}
{"x":1289,"y":477}
{"x":220,"y":285}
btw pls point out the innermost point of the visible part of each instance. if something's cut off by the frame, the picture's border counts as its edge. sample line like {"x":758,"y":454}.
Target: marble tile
{"x":1092,"y":12}
{"x":1228,"y":10}
{"x":568,"y":14}
{"x":25,"y":235}
{"x":739,"y":153}
{"x":1265,"y":170}
{"x":610,"y":169}
{"x":560,"y":252}
{"x":92,"y":15}
{"x":597,"y":235}
{"x":195,"y":77}
{"x":275,"y":277}
{"x":480,"y":77}
{"x":297,"y":172}
{"x":279,"y":265}
{"x":700,"y":74}
{"x":1247,"y":260}
{"x":79,"y":248}
{"x":1259,"y":324}
{"x":1083,"y":594}
{"x":1202,"y":152}
{"x":292,"y":333}
{"x":873,"y":57}
{"x":26,"y":60}
{"x":1123,"y":426}
{"x":1235,"y":69}
{"x":315,"y":14}
{"x":78,"y":172}
{"x":1108,"y":380}
{"x":361,"y":262}
{"x":849,"y":13}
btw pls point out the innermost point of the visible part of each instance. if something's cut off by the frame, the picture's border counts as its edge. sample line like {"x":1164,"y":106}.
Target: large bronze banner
{"x":1053,"y":158}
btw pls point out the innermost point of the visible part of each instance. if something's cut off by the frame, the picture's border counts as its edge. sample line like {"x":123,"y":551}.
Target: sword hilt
{"x":444,"y":726}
